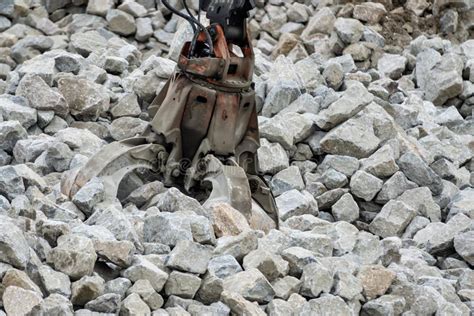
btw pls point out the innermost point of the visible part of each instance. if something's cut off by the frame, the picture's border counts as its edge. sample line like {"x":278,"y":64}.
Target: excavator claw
{"x":204,"y":131}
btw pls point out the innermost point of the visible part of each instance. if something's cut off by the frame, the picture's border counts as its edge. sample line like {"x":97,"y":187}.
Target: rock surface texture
{"x":366,"y":114}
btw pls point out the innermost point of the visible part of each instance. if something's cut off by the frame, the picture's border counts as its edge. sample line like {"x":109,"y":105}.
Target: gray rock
{"x":384,"y":305}
{"x":421,"y":200}
{"x":419,"y":172}
{"x":333,"y":179}
{"x":316,"y":280}
{"x":134,"y":305}
{"x":86,"y":100}
{"x":15,"y":249}
{"x":370,"y":12}
{"x":392,"y":219}
{"x":463,"y":244}
{"x":354,"y":98}
{"x":298,"y":258}
{"x":169,"y":228}
{"x":382,"y":163}
{"x":181,"y":284}
{"x":394,"y":187}
{"x":55,"y":304}
{"x":121,"y":22}
{"x":321,"y":22}
{"x":237,"y":246}
{"x":344,"y":164}
{"x":92,"y":193}
{"x":239,"y":305}
{"x":272,"y":158}
{"x":392,"y":66}
{"x":144,"y":29}
{"x":115,"y":65}
{"x":87,"y":289}
{"x":346,"y":209}
{"x":107,"y":303}
{"x":365,"y":185}
{"x":118,"y":286}
{"x":251,"y":284}
{"x":439,"y":77}
{"x":349,"y":30}
{"x":54,"y":282}
{"x":145,"y":269}
{"x":16,"y":109}
{"x":287,"y":179}
{"x":355,"y":138}
{"x":272,"y":266}
{"x":287,"y":129}
{"x":462,"y":203}
{"x":334,"y":75}
{"x":437,"y":238}
{"x":18,"y":301}
{"x":74,"y":256}
{"x":184,"y":249}
{"x":11,"y":182}
{"x":99,"y":7}
{"x":126,"y":106}
{"x":347,"y":286}
{"x":127,"y":127}
{"x":10,"y":133}
{"x":40,"y":96}
{"x":174,"y":200}
{"x":147,"y":294}
{"x":280,"y":97}
{"x":117,"y":252}
{"x":88,"y":42}
{"x":293,"y":203}
{"x":223,"y":266}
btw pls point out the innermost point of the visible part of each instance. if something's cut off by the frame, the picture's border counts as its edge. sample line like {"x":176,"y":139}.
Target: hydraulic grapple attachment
{"x":204,"y":133}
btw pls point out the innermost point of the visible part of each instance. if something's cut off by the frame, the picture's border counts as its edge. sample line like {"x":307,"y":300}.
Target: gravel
{"x":366,"y":133}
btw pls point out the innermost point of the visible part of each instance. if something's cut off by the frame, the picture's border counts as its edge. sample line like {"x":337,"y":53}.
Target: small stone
{"x":86,"y":100}
{"x":185,"y":249}
{"x":126,"y":106}
{"x":227,"y":221}
{"x":115,"y":65}
{"x":145,"y":269}
{"x":54,"y":282}
{"x":286,"y":286}
{"x":86,"y":289}
{"x":251,"y":284}
{"x":334,"y":75}
{"x":11,"y":182}
{"x":147,"y":293}
{"x":272,"y":158}
{"x":392,"y":65}
{"x":40,"y":96}
{"x":134,"y":305}
{"x":181,"y":284}
{"x":375,"y":280}
{"x":348,"y":30}
{"x":15,"y":249}
{"x":394,"y":187}
{"x":10,"y":133}
{"x":239,"y":305}
{"x":369,"y":12}
{"x":144,"y":29}
{"x":346,"y":209}
{"x":117,"y":252}
{"x":18,"y":301}
{"x":355,"y":138}
{"x":107,"y":303}
{"x":74,"y":256}
{"x":392,"y":219}
{"x":99,"y":7}
{"x":127,"y":127}
{"x":354,"y":98}
{"x":287,"y":179}
{"x":118,"y":286}
{"x":55,"y":304}
{"x":464,"y":246}
{"x":347,"y":286}
{"x":89,"y":195}
{"x":365,"y":185}
{"x":14,"y":277}
{"x":419,"y":172}
{"x":385,"y":305}
{"x":17,"y":109}
{"x":316,"y":280}
{"x":121,"y":22}
{"x":272,"y":266}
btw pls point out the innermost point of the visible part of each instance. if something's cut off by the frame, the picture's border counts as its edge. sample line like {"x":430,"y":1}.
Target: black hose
{"x":192,"y":21}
